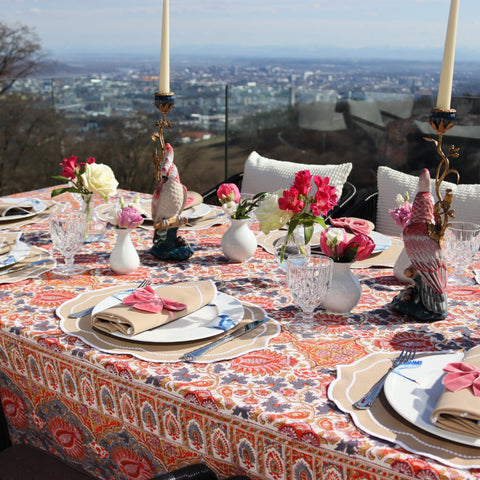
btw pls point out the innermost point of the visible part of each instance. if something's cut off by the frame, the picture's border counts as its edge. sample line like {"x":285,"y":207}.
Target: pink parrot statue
{"x":170,"y":194}
{"x":426,"y":300}
{"x":168,"y":202}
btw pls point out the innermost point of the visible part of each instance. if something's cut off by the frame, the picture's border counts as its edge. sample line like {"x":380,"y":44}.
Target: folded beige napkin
{"x":21,"y":207}
{"x":22,"y":269}
{"x":353,"y":381}
{"x":8,"y":240}
{"x":460,"y":411}
{"x":129,"y":321}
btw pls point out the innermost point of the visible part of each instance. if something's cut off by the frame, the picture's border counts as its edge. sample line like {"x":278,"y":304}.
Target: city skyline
{"x":311,"y":28}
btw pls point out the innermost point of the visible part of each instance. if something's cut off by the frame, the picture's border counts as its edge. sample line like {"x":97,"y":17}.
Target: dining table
{"x":273,"y":404}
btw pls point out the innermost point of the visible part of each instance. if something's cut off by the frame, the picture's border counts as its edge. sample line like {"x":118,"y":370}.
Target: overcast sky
{"x":134,"y":26}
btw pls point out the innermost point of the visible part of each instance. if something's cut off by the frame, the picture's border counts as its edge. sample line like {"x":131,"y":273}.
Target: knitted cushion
{"x":261,"y":174}
{"x":466,"y":198}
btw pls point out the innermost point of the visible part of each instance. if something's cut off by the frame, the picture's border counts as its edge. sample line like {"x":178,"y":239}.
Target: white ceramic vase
{"x":239,"y":242}
{"x":345,"y":290}
{"x":401,"y":263}
{"x":124,"y":258}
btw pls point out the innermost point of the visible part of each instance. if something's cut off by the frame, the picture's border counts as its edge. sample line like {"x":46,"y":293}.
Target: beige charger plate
{"x":161,"y":352}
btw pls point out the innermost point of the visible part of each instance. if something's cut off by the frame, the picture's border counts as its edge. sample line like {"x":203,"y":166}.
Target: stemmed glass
{"x":462,"y":240}
{"x":67,"y":231}
{"x":308,"y":279}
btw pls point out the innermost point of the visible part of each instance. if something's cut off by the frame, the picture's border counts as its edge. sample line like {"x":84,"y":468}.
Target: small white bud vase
{"x":239,"y":242}
{"x":345,"y":290}
{"x":124,"y":258}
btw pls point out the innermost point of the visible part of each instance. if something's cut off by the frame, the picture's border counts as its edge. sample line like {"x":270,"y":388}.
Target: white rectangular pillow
{"x":466,"y":198}
{"x":262,"y":174}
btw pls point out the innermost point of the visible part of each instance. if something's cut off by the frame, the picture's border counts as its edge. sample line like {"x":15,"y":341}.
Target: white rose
{"x":230,"y":207}
{"x":99,"y":178}
{"x":334,"y":236}
{"x":269,"y":214}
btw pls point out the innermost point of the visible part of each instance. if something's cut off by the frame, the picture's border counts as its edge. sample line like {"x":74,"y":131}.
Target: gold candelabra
{"x":442,"y":121}
{"x":164,"y":102}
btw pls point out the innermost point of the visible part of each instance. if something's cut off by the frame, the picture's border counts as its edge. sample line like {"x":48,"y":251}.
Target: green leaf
{"x":308,"y":233}
{"x":349,"y":255}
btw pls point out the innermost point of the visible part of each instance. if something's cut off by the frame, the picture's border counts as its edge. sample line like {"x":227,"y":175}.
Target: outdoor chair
{"x":263,"y":174}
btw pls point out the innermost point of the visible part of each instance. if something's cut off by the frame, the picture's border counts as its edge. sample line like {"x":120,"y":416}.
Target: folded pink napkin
{"x":130,"y":320}
{"x":352,"y":224}
{"x":147,"y":300}
{"x":458,"y":408}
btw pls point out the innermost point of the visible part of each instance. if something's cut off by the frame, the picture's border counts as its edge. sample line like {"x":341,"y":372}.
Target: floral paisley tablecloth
{"x":265,"y":414}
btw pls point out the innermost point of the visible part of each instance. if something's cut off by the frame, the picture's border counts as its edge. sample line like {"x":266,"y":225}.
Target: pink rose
{"x":228,"y":192}
{"x":334,"y":243}
{"x":402,"y":214}
{"x":359,"y":247}
{"x":129,"y":217}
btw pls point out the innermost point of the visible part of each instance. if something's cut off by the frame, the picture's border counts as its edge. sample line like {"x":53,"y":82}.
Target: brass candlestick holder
{"x":169,"y":197}
{"x":164,"y":102}
{"x":426,"y":299}
{"x":442,"y":121}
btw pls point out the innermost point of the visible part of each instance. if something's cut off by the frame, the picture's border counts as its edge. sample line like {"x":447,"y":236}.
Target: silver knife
{"x":24,"y":267}
{"x":194,"y":354}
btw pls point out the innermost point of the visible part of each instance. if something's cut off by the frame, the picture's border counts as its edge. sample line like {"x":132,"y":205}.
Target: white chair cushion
{"x":466,"y":198}
{"x":261,"y":174}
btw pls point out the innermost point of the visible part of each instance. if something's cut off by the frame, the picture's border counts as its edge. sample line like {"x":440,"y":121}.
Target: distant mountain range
{"x":72,"y":63}
{"x":285,"y":52}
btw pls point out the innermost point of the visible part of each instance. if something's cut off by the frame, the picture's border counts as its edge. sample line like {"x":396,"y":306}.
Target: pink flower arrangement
{"x":403,"y":212}
{"x":299,"y":208}
{"x":86,"y":178}
{"x":229,"y":197}
{"x":334,"y":244}
{"x":125,"y":216}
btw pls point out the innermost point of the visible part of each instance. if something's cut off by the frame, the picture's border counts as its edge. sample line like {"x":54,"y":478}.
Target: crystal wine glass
{"x":462,"y":240}
{"x":67,"y":231}
{"x":308,"y":278}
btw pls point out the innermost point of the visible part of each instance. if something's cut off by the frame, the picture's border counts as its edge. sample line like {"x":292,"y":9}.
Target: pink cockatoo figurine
{"x":426,"y":300}
{"x":170,"y":194}
{"x":168,"y":202}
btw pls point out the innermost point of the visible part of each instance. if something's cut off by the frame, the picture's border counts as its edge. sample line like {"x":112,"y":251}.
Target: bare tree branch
{"x":20,"y":54}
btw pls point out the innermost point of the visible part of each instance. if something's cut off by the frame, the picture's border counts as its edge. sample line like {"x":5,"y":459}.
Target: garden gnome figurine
{"x":426,"y":300}
{"x":168,"y":202}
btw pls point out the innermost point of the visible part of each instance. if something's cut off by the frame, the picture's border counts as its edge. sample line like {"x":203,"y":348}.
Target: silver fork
{"x":406,"y":355}
{"x":81,"y":313}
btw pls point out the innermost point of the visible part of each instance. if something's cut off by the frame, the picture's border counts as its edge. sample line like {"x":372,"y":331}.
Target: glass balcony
{"x":215,"y":127}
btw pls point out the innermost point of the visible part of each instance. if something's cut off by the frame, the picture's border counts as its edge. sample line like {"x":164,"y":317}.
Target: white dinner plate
{"x":197,"y":211}
{"x":37,"y":205}
{"x":17,"y":253}
{"x":191,"y":213}
{"x":382,"y":242}
{"x":188,"y":328}
{"x":416,"y":402}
